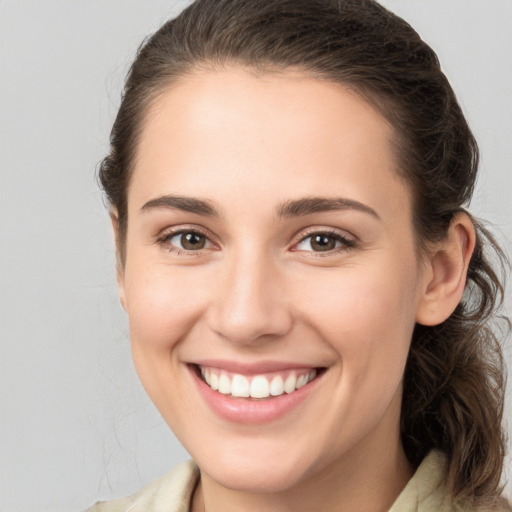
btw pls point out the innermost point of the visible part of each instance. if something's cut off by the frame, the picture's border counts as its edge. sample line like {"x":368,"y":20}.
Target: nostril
{"x":248,"y":305}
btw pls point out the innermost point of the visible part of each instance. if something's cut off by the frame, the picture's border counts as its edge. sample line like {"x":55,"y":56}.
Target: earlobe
{"x":446,"y":273}
{"x":119,"y":263}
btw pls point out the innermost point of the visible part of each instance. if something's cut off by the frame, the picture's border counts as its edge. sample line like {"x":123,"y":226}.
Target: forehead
{"x":274,"y":132}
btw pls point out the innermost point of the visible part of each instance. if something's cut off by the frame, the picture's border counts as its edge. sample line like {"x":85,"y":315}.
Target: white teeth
{"x":290,"y":383}
{"x":301,"y":381}
{"x":214,"y":381}
{"x":240,"y":386}
{"x":277,"y":386}
{"x":258,"y":386}
{"x":224,"y":384}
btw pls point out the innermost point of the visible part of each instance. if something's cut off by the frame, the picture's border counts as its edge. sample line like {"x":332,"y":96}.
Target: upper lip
{"x":251,"y":368}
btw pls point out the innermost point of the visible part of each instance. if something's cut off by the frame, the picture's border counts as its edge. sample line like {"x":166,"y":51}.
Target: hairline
{"x":377,"y":100}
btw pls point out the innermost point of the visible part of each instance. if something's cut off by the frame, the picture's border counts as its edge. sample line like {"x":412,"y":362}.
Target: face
{"x":270,"y":252}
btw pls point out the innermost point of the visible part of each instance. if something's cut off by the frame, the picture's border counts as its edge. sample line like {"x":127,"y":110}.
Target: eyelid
{"x":169,"y":232}
{"x":348,"y":240}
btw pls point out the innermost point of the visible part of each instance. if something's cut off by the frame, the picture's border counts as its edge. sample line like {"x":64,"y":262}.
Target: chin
{"x":261,"y":478}
{"x":258,"y":470}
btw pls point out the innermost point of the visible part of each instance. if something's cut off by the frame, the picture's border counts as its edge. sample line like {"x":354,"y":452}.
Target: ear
{"x":119,"y":262}
{"x":445,"y":272}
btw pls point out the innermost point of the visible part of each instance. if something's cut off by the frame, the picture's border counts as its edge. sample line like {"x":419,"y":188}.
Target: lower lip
{"x":247,"y":411}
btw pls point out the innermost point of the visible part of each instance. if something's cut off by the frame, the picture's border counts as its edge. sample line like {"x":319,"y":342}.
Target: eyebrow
{"x":183,"y":203}
{"x":293,"y":208}
{"x":310,"y":205}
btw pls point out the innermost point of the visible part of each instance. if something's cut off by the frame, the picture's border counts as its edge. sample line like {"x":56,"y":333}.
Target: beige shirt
{"x":425,"y":492}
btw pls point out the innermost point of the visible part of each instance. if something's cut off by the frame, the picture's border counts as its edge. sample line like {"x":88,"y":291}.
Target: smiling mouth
{"x":257,"y":387}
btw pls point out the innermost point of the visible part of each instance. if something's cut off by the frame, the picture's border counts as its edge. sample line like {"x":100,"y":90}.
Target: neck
{"x":356,"y":482}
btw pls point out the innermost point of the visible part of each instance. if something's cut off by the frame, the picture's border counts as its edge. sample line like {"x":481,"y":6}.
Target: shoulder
{"x":427,"y":490}
{"x":172,"y":493}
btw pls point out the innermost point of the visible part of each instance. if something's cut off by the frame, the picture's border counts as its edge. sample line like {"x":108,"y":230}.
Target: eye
{"x":187,"y":241}
{"x":323,"y":242}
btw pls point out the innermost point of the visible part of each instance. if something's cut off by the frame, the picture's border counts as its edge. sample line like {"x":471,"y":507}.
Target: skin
{"x":259,"y":291}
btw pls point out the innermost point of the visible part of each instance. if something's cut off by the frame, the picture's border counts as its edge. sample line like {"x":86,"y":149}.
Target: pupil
{"x":323,"y":243}
{"x":192,"y":241}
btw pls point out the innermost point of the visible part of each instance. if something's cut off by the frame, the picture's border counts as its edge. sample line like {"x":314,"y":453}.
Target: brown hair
{"x":454,"y":379}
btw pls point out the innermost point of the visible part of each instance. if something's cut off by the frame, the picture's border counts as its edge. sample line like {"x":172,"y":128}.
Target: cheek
{"x":368,"y":319}
{"x":163,"y":309}
{"x":162,"y":305}
{"x":364,"y":300}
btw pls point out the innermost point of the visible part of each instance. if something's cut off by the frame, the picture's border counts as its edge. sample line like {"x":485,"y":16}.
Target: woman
{"x":308,"y":298}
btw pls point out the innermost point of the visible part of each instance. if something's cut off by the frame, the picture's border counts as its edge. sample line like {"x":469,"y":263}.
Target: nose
{"x":249,"y":306}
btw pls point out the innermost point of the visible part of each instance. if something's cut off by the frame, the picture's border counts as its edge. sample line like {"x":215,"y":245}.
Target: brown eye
{"x":189,"y":241}
{"x":324,"y":242}
{"x":192,"y":241}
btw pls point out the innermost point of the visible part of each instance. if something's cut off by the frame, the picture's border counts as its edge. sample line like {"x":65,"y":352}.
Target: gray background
{"x":75,"y":424}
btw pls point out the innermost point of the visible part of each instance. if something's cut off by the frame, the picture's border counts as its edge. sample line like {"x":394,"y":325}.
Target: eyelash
{"x":164,"y":240}
{"x":346,"y":243}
